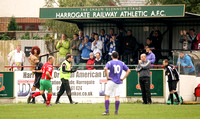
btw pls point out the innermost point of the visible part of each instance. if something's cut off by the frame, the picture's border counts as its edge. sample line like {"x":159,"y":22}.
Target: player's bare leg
{"x":117,"y":102}
{"x":106,"y":105}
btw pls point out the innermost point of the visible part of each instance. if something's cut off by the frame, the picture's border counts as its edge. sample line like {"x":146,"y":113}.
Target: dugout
{"x":170,"y":19}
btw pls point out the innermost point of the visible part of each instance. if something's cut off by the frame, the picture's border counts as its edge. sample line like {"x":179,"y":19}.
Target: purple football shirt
{"x":116,"y":67}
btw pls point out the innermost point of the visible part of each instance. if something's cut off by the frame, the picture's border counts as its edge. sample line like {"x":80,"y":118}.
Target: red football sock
{"x":35,"y":94}
{"x":49,"y":99}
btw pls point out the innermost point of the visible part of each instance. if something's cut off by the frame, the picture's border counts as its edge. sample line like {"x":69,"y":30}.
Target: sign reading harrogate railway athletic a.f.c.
{"x":113,"y":12}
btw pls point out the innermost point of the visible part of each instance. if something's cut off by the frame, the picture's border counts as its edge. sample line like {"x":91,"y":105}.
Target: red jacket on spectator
{"x":90,"y":62}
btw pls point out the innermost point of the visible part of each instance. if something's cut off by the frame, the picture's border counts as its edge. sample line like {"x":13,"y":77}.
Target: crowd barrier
{"x":88,"y":86}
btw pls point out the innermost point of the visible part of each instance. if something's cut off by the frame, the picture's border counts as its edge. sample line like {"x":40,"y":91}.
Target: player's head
{"x":51,"y":59}
{"x":19,"y":47}
{"x":34,"y":59}
{"x":143,"y":57}
{"x":165,"y":62}
{"x":115,"y":55}
{"x":69,"y":57}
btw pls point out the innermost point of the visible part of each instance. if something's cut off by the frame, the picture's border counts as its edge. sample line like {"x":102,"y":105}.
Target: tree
{"x":69,"y":29}
{"x":192,"y":6}
{"x":12,"y":26}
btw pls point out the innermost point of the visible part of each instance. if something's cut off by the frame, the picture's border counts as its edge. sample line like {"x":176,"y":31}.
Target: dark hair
{"x":115,"y":54}
{"x":130,"y":30}
{"x":192,"y":29}
{"x":76,"y":35}
{"x":166,"y":60}
{"x":37,"y":48}
{"x":68,"y":56}
{"x":98,"y":53}
{"x":112,"y":29}
{"x":103,"y":30}
{"x":148,"y":38}
{"x":96,"y":34}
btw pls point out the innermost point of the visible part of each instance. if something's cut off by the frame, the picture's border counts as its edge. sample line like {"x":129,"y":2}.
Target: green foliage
{"x":37,"y":37}
{"x":25,"y":36}
{"x":69,"y":29}
{"x":12,"y":26}
{"x":4,"y":37}
{"x":192,"y":6}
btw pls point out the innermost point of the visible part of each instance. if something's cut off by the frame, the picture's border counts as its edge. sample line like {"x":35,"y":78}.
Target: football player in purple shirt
{"x":114,"y":80}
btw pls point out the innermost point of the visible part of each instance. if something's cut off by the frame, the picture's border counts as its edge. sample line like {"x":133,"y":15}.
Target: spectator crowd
{"x":96,"y":49}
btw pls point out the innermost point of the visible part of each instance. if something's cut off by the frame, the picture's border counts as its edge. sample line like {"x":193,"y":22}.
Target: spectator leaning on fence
{"x":185,"y":40}
{"x":97,"y":45}
{"x":150,"y":56}
{"x":98,"y":61}
{"x":186,"y":61}
{"x":35,"y":52}
{"x":63,"y":47}
{"x":74,"y":45}
{"x":16,"y":58}
{"x":90,"y":62}
{"x":85,"y":47}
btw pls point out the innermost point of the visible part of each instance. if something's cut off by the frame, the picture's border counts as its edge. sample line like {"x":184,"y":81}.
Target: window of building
{"x":30,"y":27}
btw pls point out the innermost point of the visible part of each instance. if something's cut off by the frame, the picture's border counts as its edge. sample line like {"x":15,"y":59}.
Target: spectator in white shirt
{"x":16,"y":58}
{"x":97,"y":45}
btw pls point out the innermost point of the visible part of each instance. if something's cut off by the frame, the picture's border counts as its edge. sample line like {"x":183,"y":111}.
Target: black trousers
{"x":64,"y":87}
{"x":145,"y":88}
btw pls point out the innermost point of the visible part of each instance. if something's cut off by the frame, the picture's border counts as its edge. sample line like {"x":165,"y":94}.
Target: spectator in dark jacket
{"x":120,"y":37}
{"x":156,"y":38}
{"x":92,"y":37}
{"x":90,"y":62}
{"x":98,"y":61}
{"x":149,"y":44}
{"x":193,"y":37}
{"x":129,"y":46}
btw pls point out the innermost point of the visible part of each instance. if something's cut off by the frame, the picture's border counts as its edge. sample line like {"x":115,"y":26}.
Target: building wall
{"x":7,"y":46}
{"x":4,"y":21}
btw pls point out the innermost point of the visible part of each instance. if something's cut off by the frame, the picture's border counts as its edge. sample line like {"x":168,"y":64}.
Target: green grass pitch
{"x":93,"y":111}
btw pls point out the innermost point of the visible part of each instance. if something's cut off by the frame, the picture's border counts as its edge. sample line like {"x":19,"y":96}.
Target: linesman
{"x":65,"y":73}
{"x":173,"y":78}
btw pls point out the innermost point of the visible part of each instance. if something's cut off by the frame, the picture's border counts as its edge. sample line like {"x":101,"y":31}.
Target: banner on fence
{"x":7,"y":84}
{"x":83,"y":83}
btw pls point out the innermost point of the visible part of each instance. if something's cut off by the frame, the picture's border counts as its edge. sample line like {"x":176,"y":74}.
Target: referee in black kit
{"x":173,"y":78}
{"x":38,"y":75}
{"x":144,"y":78}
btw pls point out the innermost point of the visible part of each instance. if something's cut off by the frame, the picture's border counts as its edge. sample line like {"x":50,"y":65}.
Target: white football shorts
{"x":112,"y":89}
